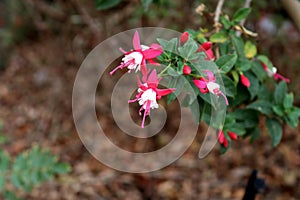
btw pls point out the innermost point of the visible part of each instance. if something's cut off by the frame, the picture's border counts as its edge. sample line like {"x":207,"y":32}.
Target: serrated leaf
{"x":275,"y":130}
{"x":226,"y":62}
{"x":106,"y":4}
{"x":219,"y":37}
{"x":264,"y":107}
{"x":241,"y":14}
{"x":250,"y":49}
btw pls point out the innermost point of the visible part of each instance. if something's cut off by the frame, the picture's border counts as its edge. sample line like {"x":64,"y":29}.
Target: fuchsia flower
{"x":186,"y":70}
{"x":207,"y":48}
{"x":148,"y":93}
{"x":232,"y":135}
{"x":209,"y":85}
{"x":184,"y":37}
{"x":273,"y":73}
{"x":244,"y":80}
{"x":222,"y":139}
{"x":135,"y":59}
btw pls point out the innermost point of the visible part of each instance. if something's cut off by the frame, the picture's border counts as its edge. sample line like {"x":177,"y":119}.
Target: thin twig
{"x":217,"y":15}
{"x":217,"y":24}
{"x":246,"y":5}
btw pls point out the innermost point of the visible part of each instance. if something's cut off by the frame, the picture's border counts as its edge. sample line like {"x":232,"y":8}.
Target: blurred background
{"x":42,"y":45}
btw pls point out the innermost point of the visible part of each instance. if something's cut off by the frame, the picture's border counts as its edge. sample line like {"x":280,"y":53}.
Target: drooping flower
{"x":273,"y":73}
{"x":207,"y":48}
{"x":232,"y":135}
{"x":209,"y":84}
{"x":222,"y":139}
{"x":135,"y":59}
{"x":244,"y":80}
{"x":184,"y":37}
{"x":186,"y":70}
{"x":148,"y":93}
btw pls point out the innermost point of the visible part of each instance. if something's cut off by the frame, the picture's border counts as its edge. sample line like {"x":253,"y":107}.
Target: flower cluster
{"x":244,"y":74}
{"x":136,"y":60}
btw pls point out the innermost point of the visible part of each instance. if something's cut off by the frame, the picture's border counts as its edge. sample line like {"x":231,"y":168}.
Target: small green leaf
{"x":275,"y":130}
{"x":264,"y":59}
{"x":219,"y":37}
{"x":226,"y":62}
{"x":264,"y":107}
{"x":250,"y":49}
{"x":188,"y":49}
{"x":280,"y":92}
{"x":106,"y":4}
{"x":241,"y":14}
{"x":225,"y":21}
{"x":293,"y":117}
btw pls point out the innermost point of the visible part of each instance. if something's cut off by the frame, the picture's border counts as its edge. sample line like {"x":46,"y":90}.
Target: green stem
{"x":164,"y":70}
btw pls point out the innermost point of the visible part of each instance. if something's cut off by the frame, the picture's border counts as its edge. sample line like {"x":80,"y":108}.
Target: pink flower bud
{"x":245,"y":81}
{"x":186,"y":70}
{"x":232,"y":135}
{"x":184,"y":37}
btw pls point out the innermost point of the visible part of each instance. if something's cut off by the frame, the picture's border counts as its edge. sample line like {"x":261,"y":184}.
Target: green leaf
{"x":280,"y":92}
{"x":170,"y":45}
{"x":278,"y":110}
{"x":293,"y":117}
{"x":262,"y":106}
{"x":9,"y":195}
{"x":219,"y":37}
{"x":230,"y":89}
{"x":241,"y":96}
{"x":106,"y":4}
{"x":288,"y":101}
{"x":258,"y":70}
{"x":188,"y":49}
{"x":62,"y":168}
{"x":226,"y":62}
{"x":172,"y":72}
{"x":246,"y":117}
{"x":264,"y":59}
{"x":250,"y":49}
{"x":243,"y":64}
{"x":255,"y":134}
{"x":4,"y":166}
{"x":178,"y":83}
{"x":241,"y":14}
{"x":195,"y":110}
{"x":225,"y":21}
{"x":254,"y":85}
{"x":146,"y":4}
{"x":238,"y":44}
{"x":265,"y":93}
{"x":275,"y":130}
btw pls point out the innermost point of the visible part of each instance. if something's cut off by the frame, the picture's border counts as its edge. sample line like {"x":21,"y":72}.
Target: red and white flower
{"x":273,"y":73}
{"x":135,"y":59}
{"x":209,"y":84}
{"x":148,"y":93}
